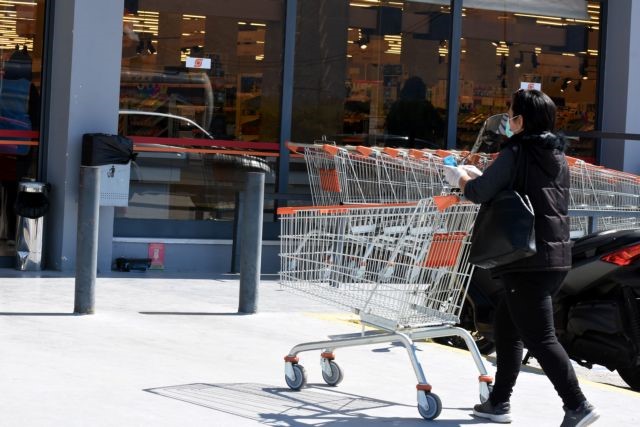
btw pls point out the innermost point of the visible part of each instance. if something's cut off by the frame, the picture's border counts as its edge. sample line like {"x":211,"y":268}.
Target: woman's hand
{"x":455,"y":176}
{"x":472,"y":171}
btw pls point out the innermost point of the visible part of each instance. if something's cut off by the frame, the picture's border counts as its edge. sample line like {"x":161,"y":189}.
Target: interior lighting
{"x":583,"y":69}
{"x":549,"y":18}
{"x":534,"y":60}
{"x":578,"y":86}
{"x":518,"y":61}
{"x":28,"y":3}
{"x":545,"y":22}
{"x":363,"y":41}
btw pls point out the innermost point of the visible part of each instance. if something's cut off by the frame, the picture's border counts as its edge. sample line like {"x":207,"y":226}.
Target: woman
{"x":525,"y":316}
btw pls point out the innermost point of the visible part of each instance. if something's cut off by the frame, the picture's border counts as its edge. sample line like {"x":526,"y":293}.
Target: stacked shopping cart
{"x":387,"y":240}
{"x":385,"y":175}
{"x":610,"y":197}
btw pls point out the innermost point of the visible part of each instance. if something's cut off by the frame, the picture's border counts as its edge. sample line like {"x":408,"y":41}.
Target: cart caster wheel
{"x":336,"y":374}
{"x":300,"y":377}
{"x":433,"y":408}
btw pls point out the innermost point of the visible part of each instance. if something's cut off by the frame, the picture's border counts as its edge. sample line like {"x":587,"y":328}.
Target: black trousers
{"x":525,"y":317}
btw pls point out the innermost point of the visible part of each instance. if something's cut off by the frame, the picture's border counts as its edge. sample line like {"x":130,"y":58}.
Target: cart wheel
{"x":336,"y":374}
{"x":300,"y":377}
{"x":433,"y":409}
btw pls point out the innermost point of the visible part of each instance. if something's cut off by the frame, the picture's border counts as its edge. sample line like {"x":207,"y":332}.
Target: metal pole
{"x":236,"y":247}
{"x":87,"y":243}
{"x":288,"y":71}
{"x":454,"y":72}
{"x":251,"y":242}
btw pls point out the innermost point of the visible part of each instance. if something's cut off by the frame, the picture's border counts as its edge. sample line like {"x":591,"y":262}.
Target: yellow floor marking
{"x":354,"y":320}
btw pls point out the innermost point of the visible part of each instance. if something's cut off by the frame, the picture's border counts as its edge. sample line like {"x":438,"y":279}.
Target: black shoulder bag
{"x":504,"y":228}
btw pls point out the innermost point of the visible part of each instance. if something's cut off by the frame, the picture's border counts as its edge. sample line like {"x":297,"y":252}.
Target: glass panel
{"x":371,"y":72}
{"x":207,"y":71}
{"x":21,"y":44}
{"x":504,"y":51}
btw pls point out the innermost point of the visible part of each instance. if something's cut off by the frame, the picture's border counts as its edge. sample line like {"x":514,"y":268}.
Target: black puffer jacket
{"x":546,"y":183}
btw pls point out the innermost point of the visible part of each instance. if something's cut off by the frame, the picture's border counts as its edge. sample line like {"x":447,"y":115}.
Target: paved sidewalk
{"x":173,"y":352}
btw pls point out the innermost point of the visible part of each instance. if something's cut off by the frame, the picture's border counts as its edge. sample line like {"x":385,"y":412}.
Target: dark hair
{"x":414,"y":89}
{"x":537,"y":110}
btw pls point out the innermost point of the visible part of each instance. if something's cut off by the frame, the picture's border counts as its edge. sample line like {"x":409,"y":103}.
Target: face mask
{"x":507,"y":127}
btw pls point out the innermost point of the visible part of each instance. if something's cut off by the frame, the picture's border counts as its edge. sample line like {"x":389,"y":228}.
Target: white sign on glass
{"x":201,"y":63}
{"x":530,"y":86}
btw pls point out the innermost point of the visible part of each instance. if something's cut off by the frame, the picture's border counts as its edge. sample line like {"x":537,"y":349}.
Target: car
{"x":182,"y":181}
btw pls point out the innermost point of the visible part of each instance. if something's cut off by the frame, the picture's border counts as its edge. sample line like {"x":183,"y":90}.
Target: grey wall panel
{"x":198,"y":258}
{"x":620,"y":104}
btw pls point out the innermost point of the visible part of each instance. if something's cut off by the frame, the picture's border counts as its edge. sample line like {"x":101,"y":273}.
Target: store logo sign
{"x":202,"y":63}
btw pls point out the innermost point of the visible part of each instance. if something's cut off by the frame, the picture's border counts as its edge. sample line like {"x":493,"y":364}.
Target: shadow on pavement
{"x":189,"y":313}
{"x":316,"y":405}
{"x":9,"y":313}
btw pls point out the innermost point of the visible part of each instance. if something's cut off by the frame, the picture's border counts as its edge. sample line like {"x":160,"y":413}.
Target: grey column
{"x":251,"y":242}
{"x":83,"y":85}
{"x":621,"y":104}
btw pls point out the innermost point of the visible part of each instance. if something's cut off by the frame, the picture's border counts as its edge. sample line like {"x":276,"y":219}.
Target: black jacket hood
{"x":546,"y":149}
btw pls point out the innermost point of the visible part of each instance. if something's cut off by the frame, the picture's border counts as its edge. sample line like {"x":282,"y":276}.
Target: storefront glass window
{"x":551,"y":45}
{"x":21,"y":46}
{"x":210,"y":71}
{"x":371,"y":72}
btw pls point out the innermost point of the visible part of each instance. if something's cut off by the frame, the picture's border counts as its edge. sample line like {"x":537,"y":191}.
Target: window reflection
{"x":209,"y":71}
{"x":502,"y":51}
{"x":371,"y":72}
{"x":21,"y":43}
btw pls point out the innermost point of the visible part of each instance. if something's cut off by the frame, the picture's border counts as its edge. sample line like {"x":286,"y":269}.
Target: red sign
{"x":156,"y":253}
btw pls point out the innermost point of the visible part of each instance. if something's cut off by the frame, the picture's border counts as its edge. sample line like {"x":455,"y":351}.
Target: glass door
{"x":21,"y":50}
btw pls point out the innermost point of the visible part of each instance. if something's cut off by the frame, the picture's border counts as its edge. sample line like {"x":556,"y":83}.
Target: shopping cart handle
{"x":445,"y":202}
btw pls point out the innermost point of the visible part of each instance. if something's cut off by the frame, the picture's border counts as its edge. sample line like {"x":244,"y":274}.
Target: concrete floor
{"x":173,"y":352}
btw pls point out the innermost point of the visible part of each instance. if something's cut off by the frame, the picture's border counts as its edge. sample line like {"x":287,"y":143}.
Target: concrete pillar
{"x":83,"y":89}
{"x":621,"y":104}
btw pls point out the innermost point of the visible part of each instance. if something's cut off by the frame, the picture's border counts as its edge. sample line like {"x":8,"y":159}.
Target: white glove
{"x":453,"y":174}
{"x":472,"y":171}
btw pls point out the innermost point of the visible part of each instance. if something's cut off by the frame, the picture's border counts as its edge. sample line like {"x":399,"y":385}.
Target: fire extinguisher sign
{"x":201,"y":63}
{"x":156,"y":254}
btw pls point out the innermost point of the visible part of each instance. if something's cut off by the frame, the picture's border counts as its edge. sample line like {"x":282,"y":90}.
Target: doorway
{"x":21,"y":52}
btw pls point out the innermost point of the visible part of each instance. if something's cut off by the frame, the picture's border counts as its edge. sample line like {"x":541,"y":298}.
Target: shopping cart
{"x":371,"y":174}
{"x":401,"y":267}
{"x":598,"y":188}
{"x":322,"y":170}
